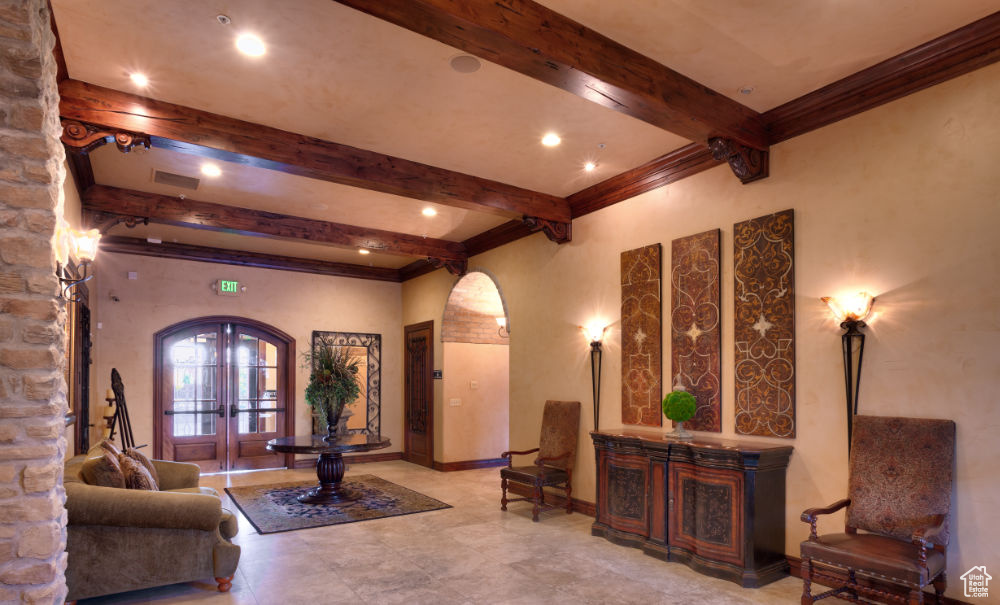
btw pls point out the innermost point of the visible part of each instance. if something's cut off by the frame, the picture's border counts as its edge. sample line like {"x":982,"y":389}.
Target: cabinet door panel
{"x":706,"y":512}
{"x":625,"y":495}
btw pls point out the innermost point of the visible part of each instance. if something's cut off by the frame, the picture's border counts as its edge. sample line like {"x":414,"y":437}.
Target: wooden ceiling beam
{"x":112,"y":202}
{"x":533,"y":40}
{"x":958,"y":52}
{"x":214,"y":136}
{"x":206,"y":254}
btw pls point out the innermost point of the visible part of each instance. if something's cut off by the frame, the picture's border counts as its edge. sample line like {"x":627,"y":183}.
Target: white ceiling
{"x":337,"y":74}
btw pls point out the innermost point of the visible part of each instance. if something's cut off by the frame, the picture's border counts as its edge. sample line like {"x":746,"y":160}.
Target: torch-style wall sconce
{"x":595,"y":334}
{"x":83,"y":246}
{"x":502,"y":331}
{"x":851,"y":312}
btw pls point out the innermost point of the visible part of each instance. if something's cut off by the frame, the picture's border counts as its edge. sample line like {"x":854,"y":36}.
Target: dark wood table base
{"x":330,"y":470}
{"x":330,"y":465}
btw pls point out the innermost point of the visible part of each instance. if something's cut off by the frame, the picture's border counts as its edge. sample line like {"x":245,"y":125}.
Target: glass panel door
{"x":193,"y":403}
{"x":222,"y":392}
{"x":258,"y":412}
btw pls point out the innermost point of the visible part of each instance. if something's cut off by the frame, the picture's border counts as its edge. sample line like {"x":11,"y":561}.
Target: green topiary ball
{"x":679,"y":406}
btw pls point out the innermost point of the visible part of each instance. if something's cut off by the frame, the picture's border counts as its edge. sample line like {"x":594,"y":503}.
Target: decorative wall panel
{"x":764,"y":295}
{"x":641,"y":337}
{"x":696,"y":335}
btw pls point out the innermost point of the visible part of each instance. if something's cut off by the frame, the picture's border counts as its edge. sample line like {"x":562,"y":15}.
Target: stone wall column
{"x":32,"y":316}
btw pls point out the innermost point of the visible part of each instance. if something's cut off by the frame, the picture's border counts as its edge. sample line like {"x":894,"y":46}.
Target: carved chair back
{"x":900,"y":474}
{"x":560,"y":431}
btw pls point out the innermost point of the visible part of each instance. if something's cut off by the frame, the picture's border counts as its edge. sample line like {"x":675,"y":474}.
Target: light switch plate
{"x":454,"y":402}
{"x":473,"y":384}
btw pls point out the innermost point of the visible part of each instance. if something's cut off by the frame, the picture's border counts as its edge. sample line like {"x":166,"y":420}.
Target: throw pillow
{"x":141,"y":458}
{"x":102,"y":469}
{"x":109,"y":446}
{"x":136,"y":475}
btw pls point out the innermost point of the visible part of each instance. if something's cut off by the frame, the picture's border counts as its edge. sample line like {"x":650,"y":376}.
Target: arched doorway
{"x":476,"y":372}
{"x":223,"y":387}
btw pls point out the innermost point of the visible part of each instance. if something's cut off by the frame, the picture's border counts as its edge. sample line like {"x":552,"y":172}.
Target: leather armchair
{"x":553,"y":467}
{"x":900,"y":497}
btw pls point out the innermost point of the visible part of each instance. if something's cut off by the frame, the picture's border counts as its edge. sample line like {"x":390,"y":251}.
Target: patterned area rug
{"x":273,"y":508}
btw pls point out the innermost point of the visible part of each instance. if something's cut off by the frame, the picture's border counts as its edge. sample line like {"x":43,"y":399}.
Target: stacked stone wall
{"x":32,"y":317}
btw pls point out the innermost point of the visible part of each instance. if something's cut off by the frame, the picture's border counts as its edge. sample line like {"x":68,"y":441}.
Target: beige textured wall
{"x":902,"y":201}
{"x":477,"y":429}
{"x":170,"y":291}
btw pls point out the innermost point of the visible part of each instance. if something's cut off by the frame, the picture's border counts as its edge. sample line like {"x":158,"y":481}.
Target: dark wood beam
{"x":134,"y":245}
{"x":674,"y":166}
{"x":257,"y":223}
{"x":57,"y":52}
{"x":533,"y":40}
{"x":966,"y":49}
{"x":211,"y":135}
{"x":496,"y":237}
{"x":82,"y":169}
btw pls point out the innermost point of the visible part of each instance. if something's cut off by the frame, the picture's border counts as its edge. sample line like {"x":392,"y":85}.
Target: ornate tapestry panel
{"x":641,"y":337}
{"x":764,"y":319}
{"x":696,"y":335}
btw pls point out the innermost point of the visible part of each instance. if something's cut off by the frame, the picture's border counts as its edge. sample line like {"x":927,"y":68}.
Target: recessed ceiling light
{"x":250,"y":45}
{"x":211,"y":170}
{"x":363,"y":251}
{"x":551,"y":140}
{"x":139,"y":79}
{"x":746,"y":90}
{"x":589,"y":166}
{"x":428,"y":211}
{"x":465,"y":64}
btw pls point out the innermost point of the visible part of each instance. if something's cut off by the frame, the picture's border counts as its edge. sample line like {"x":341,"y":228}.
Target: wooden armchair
{"x":553,"y":467}
{"x":900,"y":495}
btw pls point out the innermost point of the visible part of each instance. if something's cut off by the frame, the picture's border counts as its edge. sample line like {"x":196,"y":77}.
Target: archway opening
{"x":476,"y":372}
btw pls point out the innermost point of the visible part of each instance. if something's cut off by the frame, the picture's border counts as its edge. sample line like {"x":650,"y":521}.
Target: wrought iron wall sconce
{"x":502,"y":331}
{"x":83,"y":246}
{"x":851,"y":313}
{"x":595,"y":334}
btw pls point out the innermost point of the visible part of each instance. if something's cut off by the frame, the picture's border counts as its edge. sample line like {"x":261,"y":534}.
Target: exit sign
{"x":229,"y":287}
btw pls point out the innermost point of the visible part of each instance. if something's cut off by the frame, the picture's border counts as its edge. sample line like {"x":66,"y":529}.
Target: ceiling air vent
{"x":175,"y":180}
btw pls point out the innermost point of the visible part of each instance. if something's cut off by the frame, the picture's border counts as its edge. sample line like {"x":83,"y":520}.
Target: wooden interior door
{"x":192,"y":395}
{"x":257,"y":371}
{"x":419,"y":394}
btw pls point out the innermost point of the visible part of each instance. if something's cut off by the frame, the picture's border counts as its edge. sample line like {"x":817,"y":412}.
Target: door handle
{"x":233,"y":410}
{"x":221,"y":411}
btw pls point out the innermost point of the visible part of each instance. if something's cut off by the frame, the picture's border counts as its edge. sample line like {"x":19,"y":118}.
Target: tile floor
{"x":472,"y":553}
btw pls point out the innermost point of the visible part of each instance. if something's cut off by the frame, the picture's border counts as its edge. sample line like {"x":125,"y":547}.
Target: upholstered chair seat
{"x":553,"y":467}
{"x":899,"y":497}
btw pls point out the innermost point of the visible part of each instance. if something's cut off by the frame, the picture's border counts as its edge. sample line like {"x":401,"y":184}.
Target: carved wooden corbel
{"x":103,"y":221}
{"x":84,"y":138}
{"x":558,"y":232}
{"x":455,"y":267}
{"x":747,"y":163}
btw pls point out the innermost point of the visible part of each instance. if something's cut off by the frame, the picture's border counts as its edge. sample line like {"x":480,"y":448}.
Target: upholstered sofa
{"x":127,"y":539}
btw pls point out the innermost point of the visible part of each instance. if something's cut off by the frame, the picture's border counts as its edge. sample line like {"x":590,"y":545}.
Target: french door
{"x":224,"y":387}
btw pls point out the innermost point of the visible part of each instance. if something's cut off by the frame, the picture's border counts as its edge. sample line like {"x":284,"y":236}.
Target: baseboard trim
{"x":579,"y":506}
{"x":353,"y":459}
{"x":467,"y":465}
{"x":795,"y":569}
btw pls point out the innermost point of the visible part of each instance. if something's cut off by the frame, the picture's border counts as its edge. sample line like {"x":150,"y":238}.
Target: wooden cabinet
{"x":716,"y":505}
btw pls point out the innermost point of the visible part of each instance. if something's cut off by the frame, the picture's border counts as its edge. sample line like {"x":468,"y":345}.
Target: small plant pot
{"x":680,"y":433}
